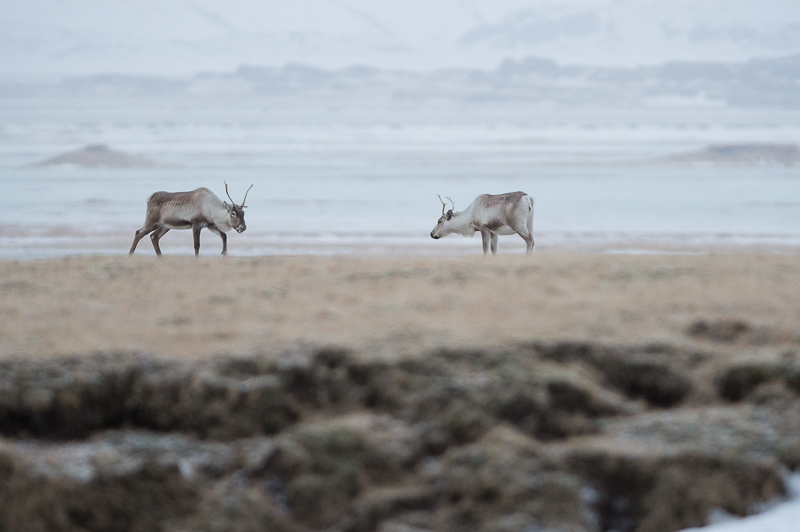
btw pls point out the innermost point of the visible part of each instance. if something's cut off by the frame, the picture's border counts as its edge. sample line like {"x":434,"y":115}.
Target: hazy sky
{"x":78,"y":37}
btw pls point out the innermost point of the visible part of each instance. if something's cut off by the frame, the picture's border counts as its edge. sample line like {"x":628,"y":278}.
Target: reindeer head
{"x":236,"y":212}
{"x":441,"y":228}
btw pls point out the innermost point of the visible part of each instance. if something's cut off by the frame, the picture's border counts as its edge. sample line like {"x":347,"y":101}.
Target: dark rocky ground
{"x":556,"y":436}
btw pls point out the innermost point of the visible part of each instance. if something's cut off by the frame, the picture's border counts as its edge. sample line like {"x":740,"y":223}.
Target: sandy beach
{"x":181,"y":306}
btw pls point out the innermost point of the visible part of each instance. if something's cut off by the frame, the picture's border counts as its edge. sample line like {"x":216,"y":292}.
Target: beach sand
{"x":187,"y":307}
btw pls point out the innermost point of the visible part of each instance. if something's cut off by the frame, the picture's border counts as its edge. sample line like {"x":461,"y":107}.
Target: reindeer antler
{"x":230,"y":198}
{"x":453,"y":202}
{"x":444,"y":205}
{"x":245,"y":197}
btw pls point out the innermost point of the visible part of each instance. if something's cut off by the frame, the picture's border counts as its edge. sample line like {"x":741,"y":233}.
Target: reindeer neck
{"x":461,"y":222}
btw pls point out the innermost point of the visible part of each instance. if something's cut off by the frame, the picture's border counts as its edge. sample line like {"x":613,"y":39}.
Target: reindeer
{"x":191,"y":210}
{"x":492,"y":215}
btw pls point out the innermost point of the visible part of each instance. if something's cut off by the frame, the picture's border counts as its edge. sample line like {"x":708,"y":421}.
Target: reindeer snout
{"x":434,"y":236}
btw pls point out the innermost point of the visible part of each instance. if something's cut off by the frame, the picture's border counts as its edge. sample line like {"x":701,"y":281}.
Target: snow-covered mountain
{"x":180,"y":37}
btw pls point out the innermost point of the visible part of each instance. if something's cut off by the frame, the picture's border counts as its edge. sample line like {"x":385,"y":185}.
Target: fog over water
{"x":638,"y":126}
{"x":149,"y":37}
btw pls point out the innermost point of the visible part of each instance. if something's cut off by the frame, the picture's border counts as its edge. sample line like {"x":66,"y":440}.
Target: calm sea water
{"x":371,"y":188}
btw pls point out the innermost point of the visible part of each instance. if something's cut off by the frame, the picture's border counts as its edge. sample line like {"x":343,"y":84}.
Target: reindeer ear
{"x":449,"y":214}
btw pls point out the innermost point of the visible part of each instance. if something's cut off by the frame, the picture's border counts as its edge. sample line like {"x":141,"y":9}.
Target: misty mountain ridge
{"x":771,"y":83}
{"x":149,"y":37}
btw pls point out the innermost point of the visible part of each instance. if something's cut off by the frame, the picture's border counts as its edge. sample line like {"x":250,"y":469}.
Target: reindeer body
{"x":492,"y":215}
{"x":193,"y":210}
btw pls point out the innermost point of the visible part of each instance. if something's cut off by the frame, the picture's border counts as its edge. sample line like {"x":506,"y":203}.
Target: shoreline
{"x":17,"y":243}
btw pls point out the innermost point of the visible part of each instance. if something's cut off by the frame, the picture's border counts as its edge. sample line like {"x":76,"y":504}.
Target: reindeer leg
{"x":529,"y":227}
{"x":485,"y":237}
{"x":526,"y":235}
{"x":494,"y":243}
{"x":223,"y":236}
{"x":140,"y":233}
{"x":156,"y":236}
{"x":529,"y":245}
{"x":196,"y":228}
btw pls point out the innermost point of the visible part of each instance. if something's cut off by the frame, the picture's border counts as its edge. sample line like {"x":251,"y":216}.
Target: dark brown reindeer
{"x":191,"y":210}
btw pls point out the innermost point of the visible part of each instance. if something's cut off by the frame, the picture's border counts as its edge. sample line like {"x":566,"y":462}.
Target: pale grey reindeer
{"x":191,"y":210}
{"x":492,"y":215}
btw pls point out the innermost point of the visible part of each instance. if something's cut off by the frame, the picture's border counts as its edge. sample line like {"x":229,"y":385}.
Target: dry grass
{"x":199,"y":307}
